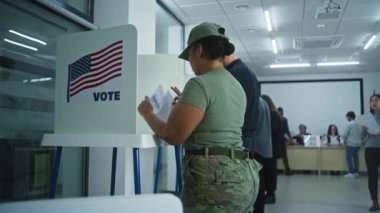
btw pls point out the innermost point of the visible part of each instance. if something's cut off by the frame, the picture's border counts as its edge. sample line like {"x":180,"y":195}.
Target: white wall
{"x":165,"y":70}
{"x":141,"y":14}
{"x":370,"y":82}
{"x":109,"y":14}
{"x":325,"y":103}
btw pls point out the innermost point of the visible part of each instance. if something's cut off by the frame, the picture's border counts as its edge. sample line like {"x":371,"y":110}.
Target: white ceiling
{"x":359,"y":20}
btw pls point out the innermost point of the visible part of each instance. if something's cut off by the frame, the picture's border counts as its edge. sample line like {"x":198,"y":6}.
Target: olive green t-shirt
{"x":222,"y":99}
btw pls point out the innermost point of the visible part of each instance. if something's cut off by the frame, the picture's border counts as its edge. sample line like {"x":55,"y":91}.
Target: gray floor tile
{"x":320,"y":194}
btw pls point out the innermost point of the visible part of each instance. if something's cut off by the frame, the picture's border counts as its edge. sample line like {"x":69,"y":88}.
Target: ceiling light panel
{"x":20,"y":44}
{"x":268,"y":20}
{"x":370,"y":41}
{"x":27,"y":37}
{"x":274,"y":46}
{"x":275,"y":66}
{"x":338,"y":63}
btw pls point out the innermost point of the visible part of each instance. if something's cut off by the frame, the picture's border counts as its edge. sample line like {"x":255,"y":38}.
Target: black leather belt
{"x":229,"y":152}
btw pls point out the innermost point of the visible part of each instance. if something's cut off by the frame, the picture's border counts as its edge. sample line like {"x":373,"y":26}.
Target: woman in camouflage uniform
{"x":207,"y":120}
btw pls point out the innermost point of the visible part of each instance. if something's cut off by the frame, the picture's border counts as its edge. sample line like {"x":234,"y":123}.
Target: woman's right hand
{"x":145,"y":107}
{"x":177,"y":92}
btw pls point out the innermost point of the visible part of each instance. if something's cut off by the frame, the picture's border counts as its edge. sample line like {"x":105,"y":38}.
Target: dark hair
{"x":329,"y":132}
{"x":374,"y":95}
{"x":302,"y":126}
{"x":216,"y":47}
{"x":270,"y":103}
{"x":280,"y":109}
{"x":351,"y":114}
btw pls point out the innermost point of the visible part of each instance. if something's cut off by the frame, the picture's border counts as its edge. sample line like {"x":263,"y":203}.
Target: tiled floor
{"x":320,"y":194}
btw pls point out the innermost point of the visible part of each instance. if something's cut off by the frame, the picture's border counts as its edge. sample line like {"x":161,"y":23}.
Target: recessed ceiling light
{"x":267,"y":20}
{"x":273,"y":66}
{"x":251,"y":30}
{"x":27,"y":37}
{"x":373,"y":37}
{"x":40,"y":79}
{"x":321,"y":26}
{"x":338,"y":63}
{"x":256,"y":46}
{"x":241,"y":7}
{"x":20,"y":44}
{"x":274,"y":46}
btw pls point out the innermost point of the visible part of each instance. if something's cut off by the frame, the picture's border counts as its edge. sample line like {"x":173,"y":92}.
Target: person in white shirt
{"x":333,"y":137}
{"x":352,"y":135}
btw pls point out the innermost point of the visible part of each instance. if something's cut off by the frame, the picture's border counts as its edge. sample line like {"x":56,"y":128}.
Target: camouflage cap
{"x":201,"y":31}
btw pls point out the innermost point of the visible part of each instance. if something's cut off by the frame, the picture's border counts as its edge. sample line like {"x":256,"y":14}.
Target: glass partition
{"x":169,"y":32}
{"x":28,"y":35}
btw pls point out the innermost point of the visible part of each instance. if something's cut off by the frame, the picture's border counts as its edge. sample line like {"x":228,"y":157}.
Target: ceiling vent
{"x":283,"y":59}
{"x":300,"y":43}
{"x":323,"y":13}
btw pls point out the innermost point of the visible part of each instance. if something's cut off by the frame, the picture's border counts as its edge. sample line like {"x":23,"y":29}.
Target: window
{"x":82,"y":8}
{"x":27,"y":78}
{"x":169,"y":32}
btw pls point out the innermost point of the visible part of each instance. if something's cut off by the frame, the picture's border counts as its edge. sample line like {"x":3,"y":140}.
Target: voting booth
{"x":162,"y":203}
{"x":98,"y":88}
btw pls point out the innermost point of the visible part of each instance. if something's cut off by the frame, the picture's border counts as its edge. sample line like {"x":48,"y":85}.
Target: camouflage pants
{"x":219,"y":184}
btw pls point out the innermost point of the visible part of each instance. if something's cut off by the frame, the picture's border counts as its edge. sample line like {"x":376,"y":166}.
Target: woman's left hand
{"x":145,"y":107}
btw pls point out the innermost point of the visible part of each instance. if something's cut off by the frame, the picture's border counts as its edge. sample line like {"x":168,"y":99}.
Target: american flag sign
{"x":95,"y":69}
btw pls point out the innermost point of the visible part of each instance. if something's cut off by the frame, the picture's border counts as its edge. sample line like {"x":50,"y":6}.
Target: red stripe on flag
{"x":95,"y":85}
{"x":95,"y":79}
{"x":106,"y":48}
{"x":106,"y":64}
{"x":93,"y":58}
{"x":92,"y":73}
{"x":96,"y":64}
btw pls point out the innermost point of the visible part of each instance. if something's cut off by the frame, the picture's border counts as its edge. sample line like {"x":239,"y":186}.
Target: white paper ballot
{"x":369,"y":121}
{"x":157,"y":99}
{"x":312,"y":141}
{"x":161,"y":103}
{"x":166,"y":107}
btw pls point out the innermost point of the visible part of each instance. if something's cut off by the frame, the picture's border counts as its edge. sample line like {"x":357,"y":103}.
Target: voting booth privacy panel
{"x":96,"y":82}
{"x":162,"y":203}
{"x":98,"y":89}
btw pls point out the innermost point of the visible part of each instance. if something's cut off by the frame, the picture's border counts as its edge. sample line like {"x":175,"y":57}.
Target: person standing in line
{"x":263,"y":152}
{"x":248,"y":81}
{"x":372,"y":153}
{"x":277,"y":150}
{"x":287,"y":138}
{"x":352,"y":136}
{"x":218,"y":175}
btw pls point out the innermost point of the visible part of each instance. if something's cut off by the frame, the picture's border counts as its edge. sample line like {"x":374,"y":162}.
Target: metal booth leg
{"x":136,"y":168}
{"x":54,"y":176}
{"x":178,"y":157}
{"x":113,"y":171}
{"x":158,"y":169}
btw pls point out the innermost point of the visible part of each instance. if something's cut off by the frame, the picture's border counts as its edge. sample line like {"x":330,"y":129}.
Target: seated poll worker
{"x":207,"y":120}
{"x":333,"y":138}
{"x":300,"y":136}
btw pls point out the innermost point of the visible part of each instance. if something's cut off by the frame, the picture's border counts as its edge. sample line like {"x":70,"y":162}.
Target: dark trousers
{"x":259,"y":205}
{"x":269,"y":174}
{"x":372,"y":159}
